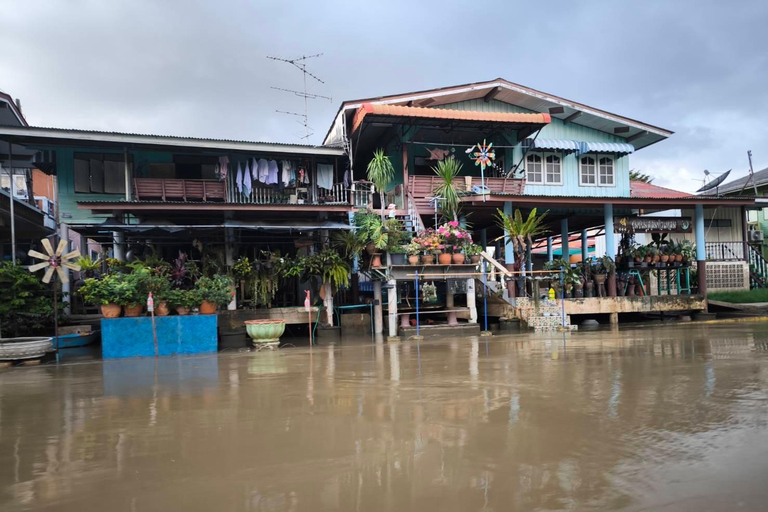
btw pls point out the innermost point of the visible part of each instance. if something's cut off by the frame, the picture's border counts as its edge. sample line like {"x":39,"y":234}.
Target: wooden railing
{"x":178,"y":190}
{"x":725,"y":251}
{"x":422,"y":187}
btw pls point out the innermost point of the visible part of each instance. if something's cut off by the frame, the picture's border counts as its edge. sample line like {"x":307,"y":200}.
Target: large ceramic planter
{"x":475,"y":259}
{"x":134,"y":310}
{"x":413,"y":259}
{"x":265,"y":332}
{"x":207,"y":308}
{"x":458,"y":258}
{"x":110,"y":310}
{"x":444,"y":258}
{"x":397,"y":259}
{"x":376,"y":261}
{"x":427,"y":259}
{"x":182,"y":311}
{"x":162,"y":309}
{"x":13,"y":349}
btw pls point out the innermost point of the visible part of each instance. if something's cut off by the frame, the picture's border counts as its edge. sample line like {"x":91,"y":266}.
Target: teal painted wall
{"x":559,"y":130}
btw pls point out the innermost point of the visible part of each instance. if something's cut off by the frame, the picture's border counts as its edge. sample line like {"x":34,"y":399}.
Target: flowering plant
{"x":429,"y":292}
{"x":429,"y":241}
{"x":455,"y":236}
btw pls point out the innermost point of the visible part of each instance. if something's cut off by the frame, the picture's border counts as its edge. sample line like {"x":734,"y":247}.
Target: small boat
{"x":78,"y":339}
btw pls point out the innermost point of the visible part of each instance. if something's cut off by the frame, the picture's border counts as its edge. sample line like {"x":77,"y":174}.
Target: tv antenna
{"x":300,"y":64}
{"x":751,"y":176}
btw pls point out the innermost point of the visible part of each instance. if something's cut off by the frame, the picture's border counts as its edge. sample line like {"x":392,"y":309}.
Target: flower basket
{"x":265,"y":332}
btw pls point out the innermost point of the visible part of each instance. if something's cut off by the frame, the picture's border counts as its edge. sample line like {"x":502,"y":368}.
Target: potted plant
{"x":88,"y":266}
{"x":158,"y":285}
{"x":214,"y":292}
{"x":688,"y":251}
{"x":430,"y":245}
{"x":102,"y":293}
{"x":413,"y":249}
{"x":456,"y":238}
{"x":380,"y":173}
{"x":621,"y":282}
{"x":473,"y":251}
{"x":369,"y":231}
{"x":183,"y":301}
{"x":397,"y":254}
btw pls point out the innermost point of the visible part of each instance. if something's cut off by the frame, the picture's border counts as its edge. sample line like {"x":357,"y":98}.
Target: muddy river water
{"x":646,"y":418}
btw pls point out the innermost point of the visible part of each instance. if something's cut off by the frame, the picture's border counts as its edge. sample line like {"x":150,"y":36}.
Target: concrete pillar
{"x":610,"y":243}
{"x":613,"y":318}
{"x":550,"y":257}
{"x":449,"y":304}
{"x":66,"y":288}
{"x":328,"y":302}
{"x":392,"y":309}
{"x":472,"y":300}
{"x":565,"y":250}
{"x":118,"y":245}
{"x":584,"y":245}
{"x":484,"y":238}
{"x":229,"y":257}
{"x":701,"y":248}
{"x":509,"y":253}
{"x":378,"y":312}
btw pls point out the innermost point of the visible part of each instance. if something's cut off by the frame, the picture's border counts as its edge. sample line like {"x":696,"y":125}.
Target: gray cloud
{"x":199,"y":68}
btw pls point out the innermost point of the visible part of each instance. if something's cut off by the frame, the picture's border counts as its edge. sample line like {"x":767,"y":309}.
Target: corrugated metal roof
{"x":760,"y":178}
{"x":649,"y":190}
{"x":607,"y":147}
{"x":44,"y":135}
{"x":454,"y":115}
{"x":193,"y":203}
{"x":559,"y":144}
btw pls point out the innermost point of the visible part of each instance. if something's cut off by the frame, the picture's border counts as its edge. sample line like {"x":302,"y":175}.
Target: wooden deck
{"x":422,"y":188}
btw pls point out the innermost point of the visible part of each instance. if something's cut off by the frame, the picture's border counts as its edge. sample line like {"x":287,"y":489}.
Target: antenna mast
{"x":751,"y":175}
{"x":299,"y":64}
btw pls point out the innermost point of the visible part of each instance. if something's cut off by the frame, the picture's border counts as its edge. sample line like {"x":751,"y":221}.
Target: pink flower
{"x":453,"y":224}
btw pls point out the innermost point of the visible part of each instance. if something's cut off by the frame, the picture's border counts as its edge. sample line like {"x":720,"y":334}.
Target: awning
{"x":440,"y":116}
{"x":557,"y":144}
{"x":620,"y":148}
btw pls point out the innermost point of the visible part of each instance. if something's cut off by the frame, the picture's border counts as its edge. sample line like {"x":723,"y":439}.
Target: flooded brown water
{"x":654,"y":418}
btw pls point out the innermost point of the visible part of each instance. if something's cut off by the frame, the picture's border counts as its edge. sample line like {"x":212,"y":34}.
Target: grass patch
{"x":741,"y":296}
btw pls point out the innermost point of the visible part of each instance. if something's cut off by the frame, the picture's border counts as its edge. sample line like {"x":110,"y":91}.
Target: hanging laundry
{"x":223,"y":167}
{"x":239,"y":178}
{"x":346,"y":181}
{"x":247,"y":179}
{"x":325,"y":176}
{"x":285,"y":177}
{"x":302,"y":177}
{"x":263,"y":170}
{"x":272,"y":173}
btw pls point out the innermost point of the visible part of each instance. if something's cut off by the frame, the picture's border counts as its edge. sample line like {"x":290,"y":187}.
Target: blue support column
{"x":509,"y":253}
{"x":701,"y":248}
{"x":549,"y":249}
{"x":610,"y":243}
{"x":565,"y":249}
{"x":584,"y":245}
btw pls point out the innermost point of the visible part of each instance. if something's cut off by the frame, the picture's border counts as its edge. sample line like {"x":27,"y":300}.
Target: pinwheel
{"x":54,"y":260}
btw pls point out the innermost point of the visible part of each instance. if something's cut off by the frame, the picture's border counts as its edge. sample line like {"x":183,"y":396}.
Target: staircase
{"x":758,"y":268}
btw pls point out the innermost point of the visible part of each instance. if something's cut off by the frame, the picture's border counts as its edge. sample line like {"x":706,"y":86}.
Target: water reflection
{"x":644,"y":418}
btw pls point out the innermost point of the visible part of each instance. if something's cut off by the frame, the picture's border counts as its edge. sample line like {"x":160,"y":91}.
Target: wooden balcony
{"x":145,"y":189}
{"x":422,"y":187}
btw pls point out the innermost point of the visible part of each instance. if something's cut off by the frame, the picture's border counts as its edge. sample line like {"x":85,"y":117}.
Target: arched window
{"x":534,"y":172}
{"x":553,"y":170}
{"x":605,"y":172}
{"x":587,"y":171}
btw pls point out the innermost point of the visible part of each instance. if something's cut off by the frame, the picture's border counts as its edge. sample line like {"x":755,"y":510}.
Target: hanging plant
{"x":429,"y":292}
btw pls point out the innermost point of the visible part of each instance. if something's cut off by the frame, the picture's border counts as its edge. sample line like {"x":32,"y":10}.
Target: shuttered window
{"x":96,"y":173}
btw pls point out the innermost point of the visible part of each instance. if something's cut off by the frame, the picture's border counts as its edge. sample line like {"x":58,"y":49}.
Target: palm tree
{"x":380,"y":173}
{"x":521,"y":232}
{"x":639,"y":176}
{"x":448,"y":170}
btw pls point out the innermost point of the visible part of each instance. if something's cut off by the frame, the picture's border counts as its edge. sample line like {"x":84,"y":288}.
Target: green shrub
{"x":216,"y":289}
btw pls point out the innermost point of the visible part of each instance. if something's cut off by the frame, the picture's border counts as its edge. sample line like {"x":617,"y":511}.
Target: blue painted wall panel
{"x":132,"y":337}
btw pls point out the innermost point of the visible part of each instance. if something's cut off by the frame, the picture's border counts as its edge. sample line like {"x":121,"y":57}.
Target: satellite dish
{"x":714,"y":183}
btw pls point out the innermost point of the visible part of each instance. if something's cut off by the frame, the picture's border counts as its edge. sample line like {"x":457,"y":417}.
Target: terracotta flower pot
{"x":656,"y":258}
{"x":376,"y":261}
{"x":427,"y":259}
{"x":678,"y":257}
{"x":208,"y":308}
{"x":664,"y":258}
{"x":134,"y":310}
{"x":413,"y":259}
{"x":475,"y":258}
{"x":444,"y":258}
{"x":111,"y":310}
{"x":600,"y":278}
{"x":161,"y":309}
{"x":182,"y":311}
{"x":458,"y":258}
{"x":648,"y":259}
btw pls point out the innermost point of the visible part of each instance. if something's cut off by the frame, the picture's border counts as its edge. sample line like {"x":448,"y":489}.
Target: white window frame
{"x":581,"y":170}
{"x":528,"y":169}
{"x":543,"y":163}
{"x":600,"y":171}
{"x":560,"y":170}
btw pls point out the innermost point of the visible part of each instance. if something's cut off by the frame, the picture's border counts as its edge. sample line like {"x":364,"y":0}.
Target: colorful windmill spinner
{"x":484,"y":155}
{"x":54,"y":260}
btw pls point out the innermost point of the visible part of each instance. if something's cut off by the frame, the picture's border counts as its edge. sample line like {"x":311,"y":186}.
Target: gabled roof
{"x":638,"y":133}
{"x":649,"y":190}
{"x":745,"y":184}
{"x":15,"y":117}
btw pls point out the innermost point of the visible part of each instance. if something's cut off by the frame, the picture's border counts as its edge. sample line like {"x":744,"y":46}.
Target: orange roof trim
{"x":439,"y":113}
{"x":648,"y":190}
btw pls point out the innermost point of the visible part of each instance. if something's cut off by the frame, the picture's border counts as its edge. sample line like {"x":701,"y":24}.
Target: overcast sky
{"x":199,"y":68}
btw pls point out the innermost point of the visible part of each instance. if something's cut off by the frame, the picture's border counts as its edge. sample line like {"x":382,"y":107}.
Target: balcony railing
{"x":422,"y":187}
{"x":725,"y":251}
{"x":359,"y":194}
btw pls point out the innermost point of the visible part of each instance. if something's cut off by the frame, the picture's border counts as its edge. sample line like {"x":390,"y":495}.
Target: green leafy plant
{"x":521,"y":232}
{"x":347,"y":243}
{"x":370,"y":230}
{"x":605,"y":265}
{"x":189,"y":299}
{"x":473,"y":250}
{"x":88,"y":266}
{"x":413,"y":248}
{"x":448,"y":171}
{"x":120,"y":289}
{"x":216,"y":289}
{"x":26,"y":304}
{"x":381,"y":173}
{"x":242,"y":269}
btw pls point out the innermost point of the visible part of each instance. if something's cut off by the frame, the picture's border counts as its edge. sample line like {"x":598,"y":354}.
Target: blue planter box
{"x":132,"y":337}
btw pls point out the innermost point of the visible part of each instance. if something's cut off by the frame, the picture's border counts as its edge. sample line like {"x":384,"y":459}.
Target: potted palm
{"x":521,"y":233}
{"x":214,"y":292}
{"x":380,"y":173}
{"x":448,"y":171}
